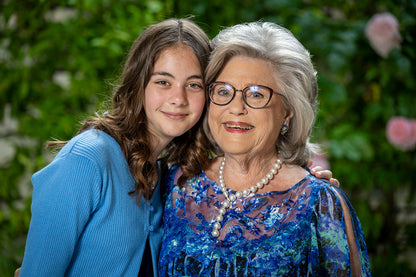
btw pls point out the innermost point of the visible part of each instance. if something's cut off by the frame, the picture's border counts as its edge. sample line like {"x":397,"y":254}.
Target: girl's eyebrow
{"x":164,"y":73}
{"x":194,"y":77}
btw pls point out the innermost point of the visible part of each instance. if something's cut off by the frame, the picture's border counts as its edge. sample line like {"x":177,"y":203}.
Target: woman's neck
{"x":240,"y":174}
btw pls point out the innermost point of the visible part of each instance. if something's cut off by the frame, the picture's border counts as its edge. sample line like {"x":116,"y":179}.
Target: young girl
{"x":96,"y":208}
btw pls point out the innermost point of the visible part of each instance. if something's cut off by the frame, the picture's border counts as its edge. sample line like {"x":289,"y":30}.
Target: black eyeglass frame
{"x":243,"y":94}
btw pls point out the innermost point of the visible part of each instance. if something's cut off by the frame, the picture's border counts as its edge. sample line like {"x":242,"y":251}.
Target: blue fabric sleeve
{"x":331,"y":246}
{"x":65,"y":194}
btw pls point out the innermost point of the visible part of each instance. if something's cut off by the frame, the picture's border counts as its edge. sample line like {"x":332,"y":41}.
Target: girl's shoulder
{"x":93,"y":144}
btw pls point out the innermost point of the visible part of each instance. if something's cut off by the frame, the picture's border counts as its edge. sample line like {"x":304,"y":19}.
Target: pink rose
{"x":383,"y":32}
{"x":401,"y":132}
{"x":320,"y":159}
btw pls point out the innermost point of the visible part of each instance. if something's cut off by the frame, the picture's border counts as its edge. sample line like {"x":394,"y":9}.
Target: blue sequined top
{"x":297,"y":232}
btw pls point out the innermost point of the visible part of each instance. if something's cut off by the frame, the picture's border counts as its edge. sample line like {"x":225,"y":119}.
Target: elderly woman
{"x":256,"y":210}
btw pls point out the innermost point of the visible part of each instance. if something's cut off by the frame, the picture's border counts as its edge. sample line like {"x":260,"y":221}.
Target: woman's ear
{"x":288,"y":116}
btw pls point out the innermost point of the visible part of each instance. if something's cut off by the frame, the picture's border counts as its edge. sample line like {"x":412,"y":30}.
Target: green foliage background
{"x":58,"y":60}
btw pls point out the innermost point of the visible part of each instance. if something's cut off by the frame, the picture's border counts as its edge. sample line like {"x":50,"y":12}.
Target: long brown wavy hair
{"x":127,"y":122}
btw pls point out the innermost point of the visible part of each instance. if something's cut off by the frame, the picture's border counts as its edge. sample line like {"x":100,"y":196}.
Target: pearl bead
{"x":217,"y":225}
{"x":215,"y":233}
{"x":220,"y":218}
{"x":221,"y":211}
{"x":232,"y":197}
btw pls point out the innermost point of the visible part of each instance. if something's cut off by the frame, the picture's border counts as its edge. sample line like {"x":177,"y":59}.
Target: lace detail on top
{"x":299,"y":231}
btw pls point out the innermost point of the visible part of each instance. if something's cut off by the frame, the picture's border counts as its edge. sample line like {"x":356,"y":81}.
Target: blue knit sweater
{"x":84,"y":222}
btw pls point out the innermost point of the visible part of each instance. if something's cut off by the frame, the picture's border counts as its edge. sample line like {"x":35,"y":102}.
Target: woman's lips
{"x":237,"y":127}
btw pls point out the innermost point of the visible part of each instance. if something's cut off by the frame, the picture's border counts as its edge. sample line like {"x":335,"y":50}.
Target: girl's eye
{"x":162,"y":83}
{"x":195,"y":86}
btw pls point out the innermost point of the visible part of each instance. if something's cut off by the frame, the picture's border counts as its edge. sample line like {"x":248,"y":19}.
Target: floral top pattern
{"x":297,"y":232}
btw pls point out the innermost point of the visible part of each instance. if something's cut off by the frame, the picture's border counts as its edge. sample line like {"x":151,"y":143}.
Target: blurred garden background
{"x":59,"y":59}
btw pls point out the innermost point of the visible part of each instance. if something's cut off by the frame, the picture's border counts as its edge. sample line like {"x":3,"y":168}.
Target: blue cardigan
{"x":84,"y":222}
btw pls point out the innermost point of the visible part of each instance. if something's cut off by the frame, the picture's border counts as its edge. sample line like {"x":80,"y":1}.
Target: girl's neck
{"x":157,"y":148}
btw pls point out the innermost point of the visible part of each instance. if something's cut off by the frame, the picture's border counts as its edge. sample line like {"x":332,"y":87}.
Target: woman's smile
{"x":237,"y":127}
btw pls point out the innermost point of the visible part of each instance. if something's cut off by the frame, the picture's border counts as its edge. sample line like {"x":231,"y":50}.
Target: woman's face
{"x":237,"y":128}
{"x":174,"y":96}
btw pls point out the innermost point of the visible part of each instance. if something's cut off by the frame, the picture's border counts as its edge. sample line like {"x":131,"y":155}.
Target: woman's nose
{"x":237,"y":105}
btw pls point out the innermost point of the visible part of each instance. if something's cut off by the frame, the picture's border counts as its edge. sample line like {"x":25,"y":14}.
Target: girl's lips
{"x":175,"y":116}
{"x":238,"y":127}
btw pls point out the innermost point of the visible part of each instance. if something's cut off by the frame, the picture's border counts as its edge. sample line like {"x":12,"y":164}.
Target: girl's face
{"x":175,"y":94}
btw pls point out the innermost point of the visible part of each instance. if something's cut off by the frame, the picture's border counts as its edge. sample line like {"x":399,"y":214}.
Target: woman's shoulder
{"x":321,"y":186}
{"x":172,"y":174}
{"x":325,"y":194}
{"x":318,"y":183}
{"x":175,"y":172}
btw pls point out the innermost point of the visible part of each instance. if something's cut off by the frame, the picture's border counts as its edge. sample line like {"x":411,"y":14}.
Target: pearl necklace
{"x":231,"y":198}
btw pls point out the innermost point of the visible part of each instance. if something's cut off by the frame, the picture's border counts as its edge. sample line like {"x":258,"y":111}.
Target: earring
{"x":284,"y":129}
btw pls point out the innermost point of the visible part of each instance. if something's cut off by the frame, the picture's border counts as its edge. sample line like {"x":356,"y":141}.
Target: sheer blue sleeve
{"x":337,"y":238}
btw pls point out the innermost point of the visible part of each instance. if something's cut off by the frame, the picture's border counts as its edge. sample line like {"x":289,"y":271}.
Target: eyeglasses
{"x":256,"y":96}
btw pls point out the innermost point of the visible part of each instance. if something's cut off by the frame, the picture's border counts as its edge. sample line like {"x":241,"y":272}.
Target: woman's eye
{"x":223,"y":92}
{"x":256,"y":95}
